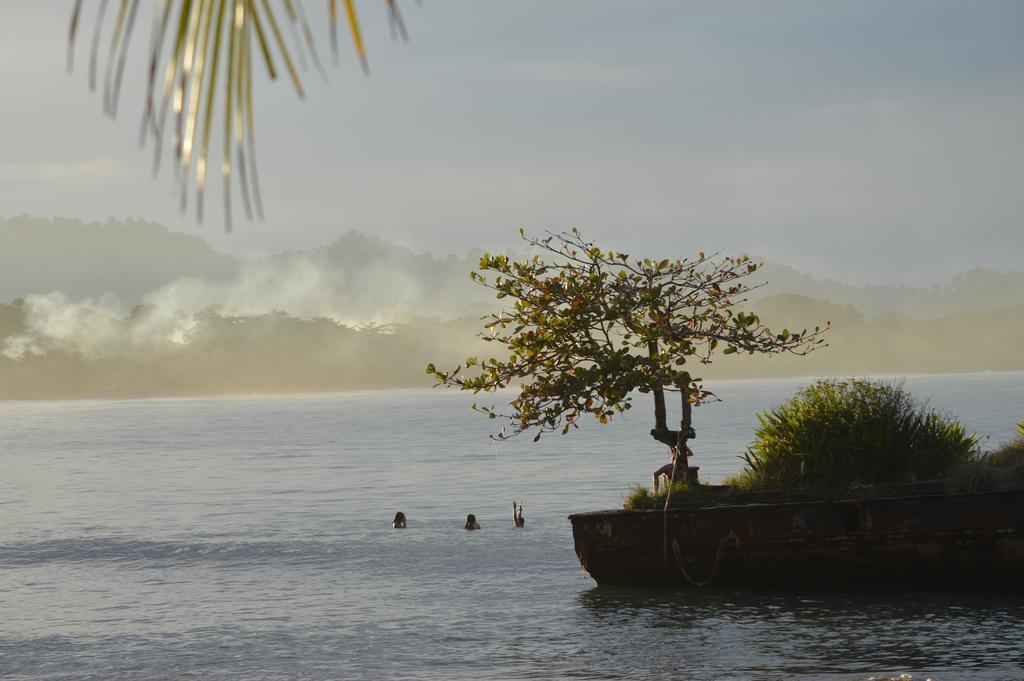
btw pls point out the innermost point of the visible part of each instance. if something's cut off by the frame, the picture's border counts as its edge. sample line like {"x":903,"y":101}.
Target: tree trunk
{"x":660,"y":432}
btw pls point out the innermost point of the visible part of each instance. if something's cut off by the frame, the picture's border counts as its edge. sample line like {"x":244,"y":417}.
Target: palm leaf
{"x":204,"y":50}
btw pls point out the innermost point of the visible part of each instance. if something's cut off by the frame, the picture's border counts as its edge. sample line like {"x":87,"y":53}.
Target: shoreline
{"x":365,"y":391}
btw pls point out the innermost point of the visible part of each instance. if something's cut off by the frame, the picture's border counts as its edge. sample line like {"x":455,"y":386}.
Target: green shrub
{"x":1009,"y":462}
{"x":639,"y":497}
{"x":997,"y":470}
{"x":838,"y":433}
{"x":974,"y":476}
{"x":1007,"y":456}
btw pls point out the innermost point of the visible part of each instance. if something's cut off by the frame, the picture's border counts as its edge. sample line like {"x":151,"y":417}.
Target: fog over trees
{"x":128,"y":308}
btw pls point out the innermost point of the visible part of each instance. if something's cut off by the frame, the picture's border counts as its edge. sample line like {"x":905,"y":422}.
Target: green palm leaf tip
{"x":192,"y":64}
{"x":123,"y":27}
{"x":76,"y":16}
{"x":196,"y":64}
{"x":208,"y":118}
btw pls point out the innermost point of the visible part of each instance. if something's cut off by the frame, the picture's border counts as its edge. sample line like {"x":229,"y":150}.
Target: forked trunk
{"x":660,"y":432}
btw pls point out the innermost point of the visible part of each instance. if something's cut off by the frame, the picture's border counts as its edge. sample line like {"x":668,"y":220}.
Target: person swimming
{"x":517,"y":514}
{"x":471,"y":523}
{"x":399,"y":521}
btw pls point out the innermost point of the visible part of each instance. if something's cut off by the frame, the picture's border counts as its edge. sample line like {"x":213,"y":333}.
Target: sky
{"x":869,"y":141}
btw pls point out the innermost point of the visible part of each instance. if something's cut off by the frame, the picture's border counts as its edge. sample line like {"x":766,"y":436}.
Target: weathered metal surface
{"x":970,"y":540}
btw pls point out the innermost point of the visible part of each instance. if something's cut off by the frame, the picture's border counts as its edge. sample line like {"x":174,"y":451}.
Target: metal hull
{"x":968,"y":540}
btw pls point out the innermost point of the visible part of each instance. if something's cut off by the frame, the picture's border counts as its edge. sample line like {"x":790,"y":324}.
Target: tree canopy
{"x":586,"y":328}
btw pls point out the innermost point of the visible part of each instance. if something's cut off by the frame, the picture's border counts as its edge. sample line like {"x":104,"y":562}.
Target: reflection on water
{"x":816,"y":634}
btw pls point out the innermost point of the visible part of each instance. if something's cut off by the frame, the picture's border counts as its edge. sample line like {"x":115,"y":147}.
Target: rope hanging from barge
{"x":682,"y":435}
{"x":680,"y":560}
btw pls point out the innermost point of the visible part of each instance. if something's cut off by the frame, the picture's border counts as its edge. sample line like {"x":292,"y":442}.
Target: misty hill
{"x":128,"y":258}
{"x":360,"y":278}
{"x":975,"y":290}
{"x":181,"y":318}
{"x":983,"y":340}
{"x":366,"y":278}
{"x":147,"y":352}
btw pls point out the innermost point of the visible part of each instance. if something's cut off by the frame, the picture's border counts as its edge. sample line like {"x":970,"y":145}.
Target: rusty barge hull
{"x":935,"y":540}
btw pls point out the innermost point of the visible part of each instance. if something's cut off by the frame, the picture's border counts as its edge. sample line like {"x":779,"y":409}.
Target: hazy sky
{"x":866,"y":141}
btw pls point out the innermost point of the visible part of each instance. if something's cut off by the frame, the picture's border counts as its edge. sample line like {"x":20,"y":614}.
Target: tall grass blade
{"x":357,"y":36}
{"x":115,"y":41}
{"x":194,"y":95}
{"x":229,"y":113}
{"x":293,"y":30}
{"x":395,"y":22}
{"x":307,"y":32}
{"x":261,"y":35}
{"x":283,"y":48}
{"x":178,"y":104}
{"x":174,"y":65}
{"x":161,"y":19}
{"x":76,"y":15}
{"x":332,"y":14}
{"x":121,"y":59}
{"x":239,"y":30}
{"x":94,"y":53}
{"x":250,"y":125}
{"x":204,"y":150}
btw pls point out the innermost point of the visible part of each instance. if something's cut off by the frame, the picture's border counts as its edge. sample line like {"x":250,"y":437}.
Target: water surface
{"x":247,"y":538}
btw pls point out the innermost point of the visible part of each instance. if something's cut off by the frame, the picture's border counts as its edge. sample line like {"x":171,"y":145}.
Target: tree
{"x":587,"y":328}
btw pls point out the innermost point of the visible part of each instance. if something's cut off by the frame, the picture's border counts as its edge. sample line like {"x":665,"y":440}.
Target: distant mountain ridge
{"x":132,"y":258}
{"x":366,"y":313}
{"x":978,"y":289}
{"x":128,"y":258}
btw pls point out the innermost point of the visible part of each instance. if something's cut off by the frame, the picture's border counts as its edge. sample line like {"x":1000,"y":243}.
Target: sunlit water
{"x":248,"y":538}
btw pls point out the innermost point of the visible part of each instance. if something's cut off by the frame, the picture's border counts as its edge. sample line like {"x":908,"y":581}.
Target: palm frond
{"x":200,"y":57}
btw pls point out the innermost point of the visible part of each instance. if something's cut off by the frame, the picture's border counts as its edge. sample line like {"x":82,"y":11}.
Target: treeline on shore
{"x":226,"y":354}
{"x":894,"y":344}
{"x":203,"y":321}
{"x":215,"y":352}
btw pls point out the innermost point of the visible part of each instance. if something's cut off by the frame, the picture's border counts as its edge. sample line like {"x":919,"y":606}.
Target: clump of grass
{"x":640,"y":497}
{"x":1009,"y":461}
{"x":1010,"y":455}
{"x":974,"y":476}
{"x":835,"y":434}
{"x":997,"y":470}
{"x":741,"y":483}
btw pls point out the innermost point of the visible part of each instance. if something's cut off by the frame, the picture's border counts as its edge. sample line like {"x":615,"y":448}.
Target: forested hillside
{"x":130,"y":308}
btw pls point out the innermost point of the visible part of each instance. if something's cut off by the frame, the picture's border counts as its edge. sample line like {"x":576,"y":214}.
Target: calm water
{"x":248,"y":538}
